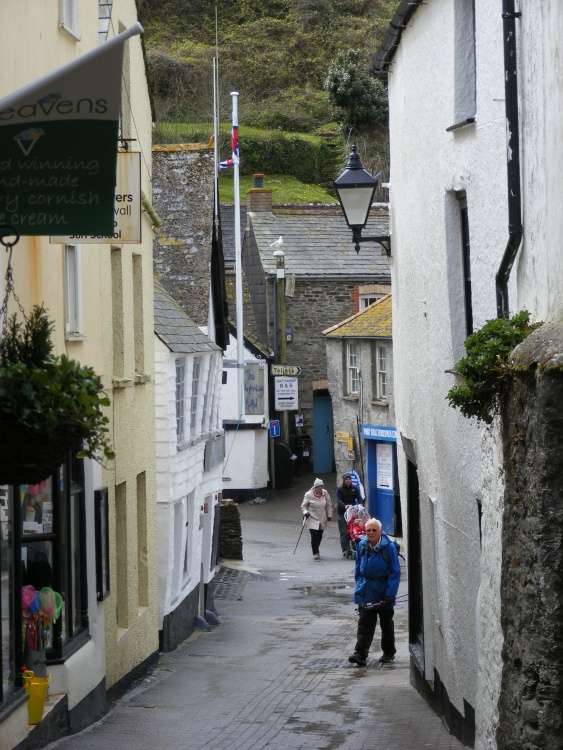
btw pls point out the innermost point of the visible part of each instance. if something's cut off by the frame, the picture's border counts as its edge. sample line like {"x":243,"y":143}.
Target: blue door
{"x":322,"y":434}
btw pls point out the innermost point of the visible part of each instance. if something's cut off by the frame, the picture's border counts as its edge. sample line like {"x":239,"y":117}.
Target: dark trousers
{"x":343,"y":529}
{"x":366,"y":630}
{"x":316,"y":538}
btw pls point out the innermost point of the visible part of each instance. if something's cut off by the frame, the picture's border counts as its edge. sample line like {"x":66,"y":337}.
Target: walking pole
{"x":304,"y":522}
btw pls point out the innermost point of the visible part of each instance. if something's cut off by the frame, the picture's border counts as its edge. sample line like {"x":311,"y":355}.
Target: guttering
{"x":515,"y":229}
{"x":386,"y":52}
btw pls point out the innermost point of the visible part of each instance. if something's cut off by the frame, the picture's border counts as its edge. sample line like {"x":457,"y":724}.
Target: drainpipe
{"x":515,"y":230}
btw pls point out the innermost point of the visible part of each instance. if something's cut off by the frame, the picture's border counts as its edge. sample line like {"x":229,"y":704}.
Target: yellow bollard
{"x":36,"y":688}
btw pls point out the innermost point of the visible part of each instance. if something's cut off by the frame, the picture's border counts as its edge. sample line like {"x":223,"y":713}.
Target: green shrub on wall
{"x":486,"y":369}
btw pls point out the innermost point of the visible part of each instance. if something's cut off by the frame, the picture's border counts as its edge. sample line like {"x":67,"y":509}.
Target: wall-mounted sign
{"x":384,"y":463}
{"x":58,"y":145}
{"x":285,"y":394}
{"x":253,"y":389}
{"x":214,"y":452}
{"x":374,"y":432}
{"x":290,"y":370}
{"x":126,"y":209}
{"x":341,"y":436}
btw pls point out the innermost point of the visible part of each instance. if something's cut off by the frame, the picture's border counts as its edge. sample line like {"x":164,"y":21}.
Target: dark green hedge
{"x":308,"y":160}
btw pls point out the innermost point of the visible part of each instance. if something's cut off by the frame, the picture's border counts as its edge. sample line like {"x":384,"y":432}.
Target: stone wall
{"x":530,"y":704}
{"x":316,"y":305}
{"x":183,"y":198}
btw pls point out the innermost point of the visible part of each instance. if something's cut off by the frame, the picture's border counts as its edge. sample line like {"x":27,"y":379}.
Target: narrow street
{"x":275,"y":673}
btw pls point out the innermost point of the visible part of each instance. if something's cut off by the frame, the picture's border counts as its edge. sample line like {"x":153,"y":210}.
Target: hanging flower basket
{"x":47,"y":404}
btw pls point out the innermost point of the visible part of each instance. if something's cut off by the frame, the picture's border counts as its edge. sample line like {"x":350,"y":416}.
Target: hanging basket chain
{"x":9,"y":237}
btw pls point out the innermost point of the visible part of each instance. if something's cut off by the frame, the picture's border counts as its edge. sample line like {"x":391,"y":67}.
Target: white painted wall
{"x":428,"y":166}
{"x":246,"y":461}
{"x":182,"y":485}
{"x":458,"y":461}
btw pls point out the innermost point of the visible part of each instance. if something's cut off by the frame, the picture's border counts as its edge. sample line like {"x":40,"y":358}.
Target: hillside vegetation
{"x":277,"y":55}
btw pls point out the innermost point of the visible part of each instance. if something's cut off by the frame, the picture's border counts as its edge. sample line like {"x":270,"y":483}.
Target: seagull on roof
{"x":277,"y":243}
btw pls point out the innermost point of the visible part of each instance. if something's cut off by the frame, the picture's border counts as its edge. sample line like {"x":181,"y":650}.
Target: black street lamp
{"x":355,"y":189}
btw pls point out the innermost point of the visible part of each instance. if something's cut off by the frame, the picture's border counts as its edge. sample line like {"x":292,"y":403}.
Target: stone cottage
{"x":359,"y":353}
{"x":326,"y":281}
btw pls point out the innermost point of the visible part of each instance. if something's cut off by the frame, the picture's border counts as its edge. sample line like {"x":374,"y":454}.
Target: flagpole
{"x":238,"y":260}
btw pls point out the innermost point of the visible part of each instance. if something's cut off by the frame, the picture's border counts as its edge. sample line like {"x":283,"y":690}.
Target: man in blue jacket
{"x":377,"y":578}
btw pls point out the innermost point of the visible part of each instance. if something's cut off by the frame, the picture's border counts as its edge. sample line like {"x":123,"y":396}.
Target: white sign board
{"x":384,"y":462}
{"x":286,"y":394}
{"x":126,"y":209}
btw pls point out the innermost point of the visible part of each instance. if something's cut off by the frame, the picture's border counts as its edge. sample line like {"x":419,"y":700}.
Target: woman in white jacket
{"x":317,"y":509}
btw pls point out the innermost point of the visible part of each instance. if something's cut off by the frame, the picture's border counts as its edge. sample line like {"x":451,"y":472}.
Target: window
{"x":206,"y":391}
{"x":69,"y":16}
{"x":73,"y":290}
{"x":381,"y":372}
{"x":180,"y":399}
{"x":466,"y":261}
{"x":7,"y":630}
{"x":53,"y":549}
{"x":138,"y":319}
{"x":352,"y":368}
{"x":368,"y":299}
{"x":464,"y":62}
{"x":195,"y":394}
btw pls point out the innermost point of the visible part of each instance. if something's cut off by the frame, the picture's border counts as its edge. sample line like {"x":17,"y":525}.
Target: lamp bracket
{"x":384,"y":240}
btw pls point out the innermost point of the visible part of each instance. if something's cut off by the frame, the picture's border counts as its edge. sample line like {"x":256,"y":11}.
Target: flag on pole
{"x":58,"y":146}
{"x":234,"y":147}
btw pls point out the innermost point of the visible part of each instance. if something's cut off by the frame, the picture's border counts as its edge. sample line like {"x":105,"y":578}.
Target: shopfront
{"x":382,"y":482}
{"x":44,"y":588}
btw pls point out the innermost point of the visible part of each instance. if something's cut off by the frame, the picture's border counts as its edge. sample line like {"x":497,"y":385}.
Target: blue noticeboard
{"x":274,"y":428}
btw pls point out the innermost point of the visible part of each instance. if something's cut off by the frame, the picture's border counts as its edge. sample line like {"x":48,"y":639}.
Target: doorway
{"x":322,"y":434}
{"x":414,"y":557}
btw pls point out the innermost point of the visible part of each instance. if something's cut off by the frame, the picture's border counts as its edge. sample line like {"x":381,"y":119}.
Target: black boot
{"x":358,"y":658}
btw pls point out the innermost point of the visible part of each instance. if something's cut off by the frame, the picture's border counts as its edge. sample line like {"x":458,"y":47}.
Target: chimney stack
{"x":259,"y":198}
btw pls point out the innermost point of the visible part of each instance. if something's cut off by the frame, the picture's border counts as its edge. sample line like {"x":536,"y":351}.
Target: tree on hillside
{"x":360,"y":99}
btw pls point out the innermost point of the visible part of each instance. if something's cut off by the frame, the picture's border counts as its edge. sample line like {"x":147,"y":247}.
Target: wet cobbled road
{"x":275,"y":672}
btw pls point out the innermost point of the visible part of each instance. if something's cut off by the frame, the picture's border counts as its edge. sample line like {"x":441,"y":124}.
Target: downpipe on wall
{"x":515,"y":229}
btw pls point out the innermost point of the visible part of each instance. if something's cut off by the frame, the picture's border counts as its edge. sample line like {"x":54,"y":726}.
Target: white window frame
{"x":194,"y":400}
{"x":352,"y":368}
{"x":68,"y":17}
{"x":381,"y":363}
{"x":180,"y":400}
{"x":73,"y":291}
{"x":368,"y":299}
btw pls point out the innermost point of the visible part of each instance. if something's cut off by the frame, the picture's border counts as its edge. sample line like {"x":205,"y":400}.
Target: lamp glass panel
{"x":356,"y":203}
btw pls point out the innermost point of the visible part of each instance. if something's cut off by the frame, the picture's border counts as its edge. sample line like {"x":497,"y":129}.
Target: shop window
{"x":53,"y":550}
{"x":7,"y":619}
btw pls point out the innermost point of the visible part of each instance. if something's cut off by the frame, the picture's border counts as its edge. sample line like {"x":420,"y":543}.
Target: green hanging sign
{"x":58,"y":146}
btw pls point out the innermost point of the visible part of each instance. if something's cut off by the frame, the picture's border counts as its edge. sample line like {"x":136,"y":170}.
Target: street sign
{"x":285,"y":390}
{"x":289,"y":370}
{"x":274,"y":428}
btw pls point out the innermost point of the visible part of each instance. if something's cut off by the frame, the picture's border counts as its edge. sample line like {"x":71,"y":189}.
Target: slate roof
{"x":173,"y":327}
{"x":373,"y":322}
{"x":320,"y":245}
{"x":228,"y":230}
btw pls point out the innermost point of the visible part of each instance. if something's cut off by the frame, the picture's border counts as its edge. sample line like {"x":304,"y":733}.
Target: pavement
{"x":275,"y":673}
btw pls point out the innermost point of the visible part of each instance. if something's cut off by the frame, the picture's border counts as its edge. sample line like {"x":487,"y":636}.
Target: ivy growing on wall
{"x":486,"y":368}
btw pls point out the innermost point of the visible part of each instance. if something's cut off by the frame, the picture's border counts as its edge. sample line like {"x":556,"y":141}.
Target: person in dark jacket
{"x":377,"y":576}
{"x":346,"y":495}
